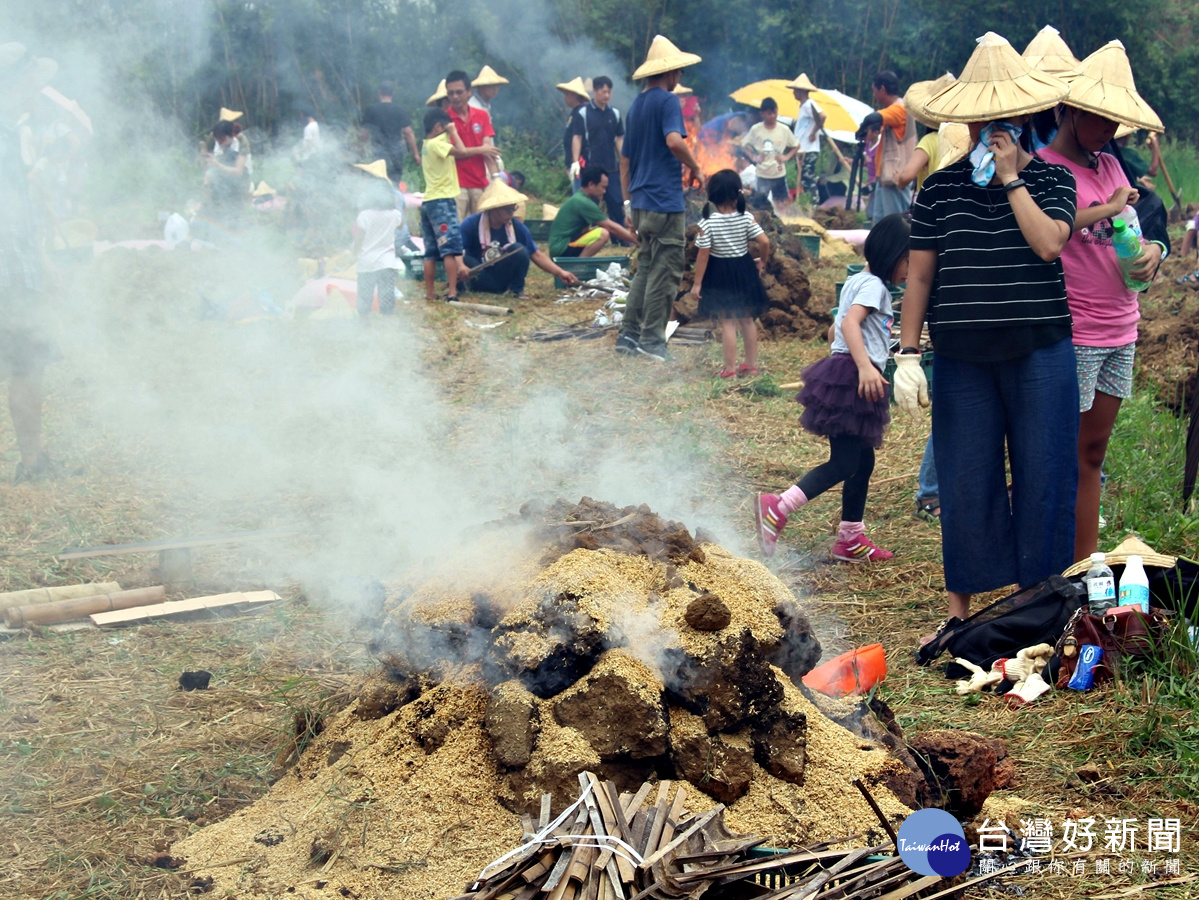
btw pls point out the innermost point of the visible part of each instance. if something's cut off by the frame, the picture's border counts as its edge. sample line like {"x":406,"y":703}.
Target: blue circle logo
{"x":931,"y":842}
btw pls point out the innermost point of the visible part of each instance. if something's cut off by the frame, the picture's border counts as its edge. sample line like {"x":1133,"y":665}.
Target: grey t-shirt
{"x":865,"y":289}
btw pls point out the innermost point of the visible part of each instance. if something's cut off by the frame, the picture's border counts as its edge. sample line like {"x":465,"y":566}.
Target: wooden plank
{"x":695,"y":826}
{"x":557,"y":872}
{"x":545,"y":818}
{"x":208,"y":540}
{"x":182,"y":607}
{"x":638,"y":800}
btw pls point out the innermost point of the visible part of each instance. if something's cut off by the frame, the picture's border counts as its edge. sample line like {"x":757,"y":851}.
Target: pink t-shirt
{"x":1104,"y":309}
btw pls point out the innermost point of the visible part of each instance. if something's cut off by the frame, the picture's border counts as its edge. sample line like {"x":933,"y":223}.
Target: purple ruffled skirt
{"x":832,"y":406}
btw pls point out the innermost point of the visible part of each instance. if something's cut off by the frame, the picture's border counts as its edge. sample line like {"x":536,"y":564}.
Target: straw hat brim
{"x":438,"y":94}
{"x":1130,"y":546}
{"x":574,"y":86}
{"x":489,"y":77}
{"x":1103,"y":84}
{"x":953,"y":142}
{"x":918,"y":92}
{"x":802,"y":83}
{"x":499,"y":195}
{"x":664,"y":57}
{"x":230,"y":115}
{"x":263,"y":190}
{"x":682,"y":90}
{"x":378,"y":168}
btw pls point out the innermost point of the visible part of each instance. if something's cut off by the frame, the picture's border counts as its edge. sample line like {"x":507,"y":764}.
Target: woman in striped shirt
{"x":987,"y":234}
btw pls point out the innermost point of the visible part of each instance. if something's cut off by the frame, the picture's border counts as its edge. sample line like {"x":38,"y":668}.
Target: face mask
{"x":983,"y":157}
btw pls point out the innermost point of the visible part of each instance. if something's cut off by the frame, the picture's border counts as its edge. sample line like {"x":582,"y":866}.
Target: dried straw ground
{"x":104,"y":764}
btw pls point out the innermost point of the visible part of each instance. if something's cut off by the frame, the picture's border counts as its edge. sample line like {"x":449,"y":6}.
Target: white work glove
{"x":575,"y":170}
{"x":911,"y":387}
{"x":1027,"y":690}
{"x":979,"y":677}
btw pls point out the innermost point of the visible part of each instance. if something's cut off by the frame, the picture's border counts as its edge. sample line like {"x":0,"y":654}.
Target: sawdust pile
{"x":582,"y":658}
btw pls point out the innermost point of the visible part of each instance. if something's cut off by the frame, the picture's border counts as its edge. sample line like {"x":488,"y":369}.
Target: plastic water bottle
{"x":1134,"y":584}
{"x":1101,"y":585}
{"x":1128,"y":252}
{"x":1129,"y":217}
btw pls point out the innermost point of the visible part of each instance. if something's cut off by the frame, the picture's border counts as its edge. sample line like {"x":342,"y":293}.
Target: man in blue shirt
{"x":651,"y":174}
{"x":498,"y":248}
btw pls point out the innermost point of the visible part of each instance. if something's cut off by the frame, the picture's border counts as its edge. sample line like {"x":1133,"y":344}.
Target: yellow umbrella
{"x":844,"y":113}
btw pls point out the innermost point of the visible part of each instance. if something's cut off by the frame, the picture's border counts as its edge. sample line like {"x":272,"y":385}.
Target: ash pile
{"x":793,"y":311}
{"x":593,"y":639}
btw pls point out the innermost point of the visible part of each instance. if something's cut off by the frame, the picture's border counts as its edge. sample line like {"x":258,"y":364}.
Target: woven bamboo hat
{"x":1049,"y":53}
{"x":574,"y":86}
{"x":230,"y":115}
{"x":682,"y":90}
{"x":920,"y":91}
{"x":499,"y":195}
{"x":995,"y":84}
{"x":378,"y":168}
{"x":1118,"y":556}
{"x":1123,"y":131}
{"x":953,"y":142}
{"x":438,"y":94}
{"x":802,"y":83}
{"x":664,"y":57}
{"x":1102,"y":83}
{"x":487,"y":77}
{"x":265,"y":190}
{"x":22,"y":74}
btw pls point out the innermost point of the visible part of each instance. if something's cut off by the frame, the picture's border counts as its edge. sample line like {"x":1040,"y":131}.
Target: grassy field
{"x":103,"y":763}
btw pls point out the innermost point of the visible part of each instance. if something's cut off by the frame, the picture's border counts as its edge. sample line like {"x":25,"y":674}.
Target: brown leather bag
{"x":1120,"y":632}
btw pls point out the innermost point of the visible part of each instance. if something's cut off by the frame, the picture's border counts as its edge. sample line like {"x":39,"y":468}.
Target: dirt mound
{"x":1168,"y":335}
{"x":497,"y":690}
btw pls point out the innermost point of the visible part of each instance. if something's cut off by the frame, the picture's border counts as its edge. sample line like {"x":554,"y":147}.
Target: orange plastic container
{"x":854,"y":672}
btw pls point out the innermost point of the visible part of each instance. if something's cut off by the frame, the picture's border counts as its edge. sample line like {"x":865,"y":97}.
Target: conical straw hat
{"x":1123,"y":131}
{"x":663,"y":57}
{"x":499,"y":194}
{"x":487,"y":77}
{"x":574,"y":86}
{"x":1049,"y":53}
{"x":995,"y":84}
{"x":920,"y":91}
{"x":682,"y":90}
{"x":378,"y":168}
{"x":438,"y":94}
{"x":263,"y":190}
{"x":802,"y":83}
{"x":230,"y":115}
{"x":953,"y":142}
{"x":1103,"y":84}
{"x":1118,"y":556}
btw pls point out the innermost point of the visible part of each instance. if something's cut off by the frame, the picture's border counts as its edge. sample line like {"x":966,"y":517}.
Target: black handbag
{"x":1038,"y":615}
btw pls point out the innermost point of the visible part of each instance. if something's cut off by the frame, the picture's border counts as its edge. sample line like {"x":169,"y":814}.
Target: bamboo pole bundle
{"x":78,"y":608}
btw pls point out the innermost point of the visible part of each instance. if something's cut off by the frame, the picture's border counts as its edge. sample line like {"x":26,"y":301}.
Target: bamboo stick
{"x":66,"y":610}
{"x":482,"y":308}
{"x":52,"y":594}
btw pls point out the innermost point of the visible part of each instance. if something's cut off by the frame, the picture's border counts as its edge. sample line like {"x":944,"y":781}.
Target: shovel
{"x":1176,"y":209}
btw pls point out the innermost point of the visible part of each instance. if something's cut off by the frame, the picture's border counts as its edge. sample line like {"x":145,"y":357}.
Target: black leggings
{"x":851,"y":461}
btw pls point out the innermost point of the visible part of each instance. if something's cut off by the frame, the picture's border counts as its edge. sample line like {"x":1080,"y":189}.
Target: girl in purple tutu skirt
{"x":728,"y":281}
{"x":845,"y":399}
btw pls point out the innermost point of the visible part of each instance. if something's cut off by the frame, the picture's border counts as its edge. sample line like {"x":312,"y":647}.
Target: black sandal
{"x":929,"y":511}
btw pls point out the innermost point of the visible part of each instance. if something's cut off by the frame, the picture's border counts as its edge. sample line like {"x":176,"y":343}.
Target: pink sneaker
{"x":771,"y":521}
{"x":860,"y":549}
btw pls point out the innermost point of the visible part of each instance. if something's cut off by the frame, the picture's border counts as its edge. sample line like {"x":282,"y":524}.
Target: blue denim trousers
{"x":1024,"y":412}
{"x":926,"y":482}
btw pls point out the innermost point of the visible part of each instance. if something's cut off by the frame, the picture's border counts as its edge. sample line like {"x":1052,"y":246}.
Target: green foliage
{"x":1183,"y":165}
{"x":1144,"y":465}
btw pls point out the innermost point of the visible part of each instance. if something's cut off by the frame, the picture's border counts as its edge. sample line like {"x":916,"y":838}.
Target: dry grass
{"x":105,"y":764}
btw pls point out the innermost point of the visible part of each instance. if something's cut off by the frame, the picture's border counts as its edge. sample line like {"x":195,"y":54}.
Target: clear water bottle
{"x":1128,"y":252}
{"x":1101,"y":585}
{"x":1129,"y":217}
{"x":1134,"y":584}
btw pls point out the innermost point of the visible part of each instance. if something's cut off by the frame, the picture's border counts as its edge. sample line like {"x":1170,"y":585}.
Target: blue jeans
{"x":1027,"y":410}
{"x":614,"y":199}
{"x":926,"y":482}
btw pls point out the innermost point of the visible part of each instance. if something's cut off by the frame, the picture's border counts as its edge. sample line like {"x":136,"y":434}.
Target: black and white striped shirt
{"x":988,"y":277}
{"x":727,"y":235}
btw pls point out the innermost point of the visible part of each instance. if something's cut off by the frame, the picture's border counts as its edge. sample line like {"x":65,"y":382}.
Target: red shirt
{"x":472,"y":171}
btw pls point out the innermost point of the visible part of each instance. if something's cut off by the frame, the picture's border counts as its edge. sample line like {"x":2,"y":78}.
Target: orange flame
{"x":712,"y":157}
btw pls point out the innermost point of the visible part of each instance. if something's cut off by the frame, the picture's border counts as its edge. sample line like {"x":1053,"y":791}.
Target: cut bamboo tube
{"x":66,"y":610}
{"x":62,"y":592}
